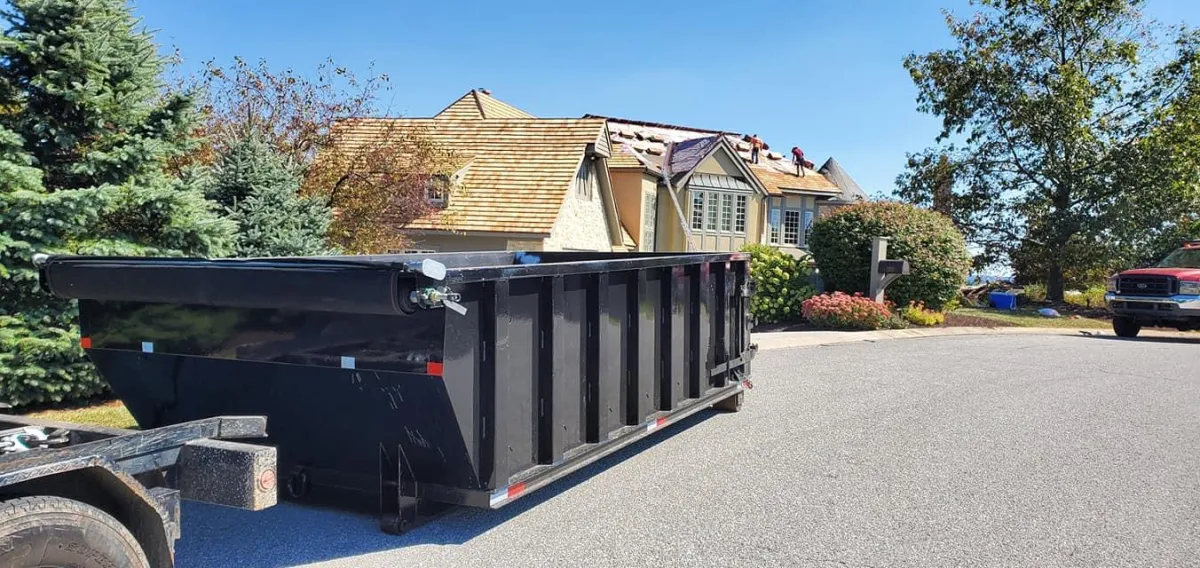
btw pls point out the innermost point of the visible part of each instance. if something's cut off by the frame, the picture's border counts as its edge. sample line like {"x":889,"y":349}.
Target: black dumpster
{"x":405,"y":383}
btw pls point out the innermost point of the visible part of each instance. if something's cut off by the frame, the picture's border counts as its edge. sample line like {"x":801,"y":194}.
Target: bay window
{"x":719,"y":211}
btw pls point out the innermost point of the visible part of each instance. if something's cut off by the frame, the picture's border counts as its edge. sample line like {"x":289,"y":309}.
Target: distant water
{"x":976,"y":279}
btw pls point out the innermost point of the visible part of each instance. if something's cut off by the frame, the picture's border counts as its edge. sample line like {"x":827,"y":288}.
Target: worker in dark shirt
{"x":798,"y":159}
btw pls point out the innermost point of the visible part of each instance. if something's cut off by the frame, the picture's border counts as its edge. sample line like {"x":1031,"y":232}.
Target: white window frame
{"x":799,"y":216}
{"x":805,"y":214}
{"x":438,"y":197}
{"x":721,"y":212}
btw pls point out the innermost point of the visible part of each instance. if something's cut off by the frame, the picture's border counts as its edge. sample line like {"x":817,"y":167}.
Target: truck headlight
{"x":1112,"y":284}
{"x":1189,"y":288}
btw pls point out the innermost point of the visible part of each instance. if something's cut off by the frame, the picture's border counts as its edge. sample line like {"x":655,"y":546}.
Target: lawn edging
{"x":794,"y":339}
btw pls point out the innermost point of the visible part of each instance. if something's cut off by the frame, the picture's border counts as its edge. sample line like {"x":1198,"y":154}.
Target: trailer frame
{"x":140,"y":476}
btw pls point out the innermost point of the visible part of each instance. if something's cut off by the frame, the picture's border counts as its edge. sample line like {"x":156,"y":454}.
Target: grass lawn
{"x":1022,"y":317}
{"x":111,"y":414}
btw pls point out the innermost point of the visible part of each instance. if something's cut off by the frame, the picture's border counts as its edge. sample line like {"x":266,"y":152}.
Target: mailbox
{"x":893,"y":267}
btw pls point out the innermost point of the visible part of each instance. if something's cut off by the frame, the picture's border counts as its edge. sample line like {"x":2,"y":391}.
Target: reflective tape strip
{"x":511,"y":492}
{"x":347,"y":362}
{"x":147,"y":347}
{"x":655,"y":424}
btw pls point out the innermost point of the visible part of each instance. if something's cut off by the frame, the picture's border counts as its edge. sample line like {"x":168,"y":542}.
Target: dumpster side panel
{"x":650,"y":366}
{"x":518,"y":348}
{"x":617,"y":350}
{"x":679,"y":336}
{"x":468,"y":370}
{"x":568,"y":406}
{"x":330,"y":421}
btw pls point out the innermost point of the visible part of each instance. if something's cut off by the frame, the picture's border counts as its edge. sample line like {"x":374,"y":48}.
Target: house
{"x":731,"y":201}
{"x":601,"y":183}
{"x":514,"y":182}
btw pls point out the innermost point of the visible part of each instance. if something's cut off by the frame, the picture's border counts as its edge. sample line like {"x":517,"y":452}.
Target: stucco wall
{"x":719,"y":163}
{"x":581,"y":223}
{"x":627,"y":190}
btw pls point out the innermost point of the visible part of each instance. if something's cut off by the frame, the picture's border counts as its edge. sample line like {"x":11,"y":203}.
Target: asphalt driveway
{"x":957,"y":451}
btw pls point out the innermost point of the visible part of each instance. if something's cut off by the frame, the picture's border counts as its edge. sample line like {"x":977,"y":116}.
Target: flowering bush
{"x":843,"y":311}
{"x":916,"y":314}
{"x":781,"y":283}
{"x":934,"y":248}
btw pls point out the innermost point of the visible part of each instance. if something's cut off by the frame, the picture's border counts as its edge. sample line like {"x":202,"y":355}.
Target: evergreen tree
{"x":84,"y":137}
{"x":260,"y":189}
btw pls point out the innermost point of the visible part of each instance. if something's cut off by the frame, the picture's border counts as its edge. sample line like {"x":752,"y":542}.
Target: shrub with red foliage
{"x":843,"y":311}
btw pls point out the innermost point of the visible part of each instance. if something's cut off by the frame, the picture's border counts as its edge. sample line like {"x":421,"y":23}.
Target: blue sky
{"x":824,"y":75}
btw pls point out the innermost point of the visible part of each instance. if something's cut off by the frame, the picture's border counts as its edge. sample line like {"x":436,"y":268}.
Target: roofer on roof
{"x":798,"y":159}
{"x":756,"y":144}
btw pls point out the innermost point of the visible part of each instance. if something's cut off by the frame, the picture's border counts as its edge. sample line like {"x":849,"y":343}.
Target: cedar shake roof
{"x":519,"y":168}
{"x":778,"y":182}
{"x":639,"y":144}
{"x":479,"y":103}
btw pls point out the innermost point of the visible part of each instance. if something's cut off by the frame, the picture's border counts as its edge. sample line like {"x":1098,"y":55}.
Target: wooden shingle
{"x":520,"y":168}
{"x":477,"y":104}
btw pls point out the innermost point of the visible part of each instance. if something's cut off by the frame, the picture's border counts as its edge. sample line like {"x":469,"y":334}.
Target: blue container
{"x":1003,"y":300}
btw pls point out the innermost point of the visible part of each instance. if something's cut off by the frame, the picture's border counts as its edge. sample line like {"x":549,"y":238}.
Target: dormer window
{"x":437,"y":189}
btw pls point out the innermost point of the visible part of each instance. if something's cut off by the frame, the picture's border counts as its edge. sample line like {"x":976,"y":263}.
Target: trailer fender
{"x":151,"y":515}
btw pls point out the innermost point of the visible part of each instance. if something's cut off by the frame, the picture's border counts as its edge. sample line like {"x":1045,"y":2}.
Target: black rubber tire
{"x":1126,"y":326}
{"x":52,"y":531}
{"x":731,"y":404}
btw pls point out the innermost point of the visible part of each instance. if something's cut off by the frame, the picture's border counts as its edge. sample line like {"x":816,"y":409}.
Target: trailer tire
{"x":41,"y":531}
{"x":731,"y":403}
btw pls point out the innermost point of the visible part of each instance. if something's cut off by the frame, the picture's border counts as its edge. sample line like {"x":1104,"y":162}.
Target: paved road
{"x":957,"y":451}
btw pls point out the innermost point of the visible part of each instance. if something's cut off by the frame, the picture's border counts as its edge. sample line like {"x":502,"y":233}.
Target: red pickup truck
{"x":1166,"y":295}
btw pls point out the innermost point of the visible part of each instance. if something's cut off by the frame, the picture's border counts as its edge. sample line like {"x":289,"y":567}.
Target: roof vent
{"x":485,"y":91}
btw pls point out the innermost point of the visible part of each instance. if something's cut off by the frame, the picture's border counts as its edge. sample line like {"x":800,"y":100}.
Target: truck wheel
{"x":1126,"y":327}
{"x":52,"y":531}
{"x":732,"y":403}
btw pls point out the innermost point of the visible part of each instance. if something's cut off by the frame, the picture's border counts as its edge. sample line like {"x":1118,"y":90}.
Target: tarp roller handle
{"x":434,"y":296}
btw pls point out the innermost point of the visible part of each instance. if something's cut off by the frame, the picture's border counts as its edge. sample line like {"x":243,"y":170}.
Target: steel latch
{"x":441,"y":296}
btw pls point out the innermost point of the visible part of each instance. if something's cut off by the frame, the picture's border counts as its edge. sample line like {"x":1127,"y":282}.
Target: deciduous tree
{"x":373,"y":183}
{"x":1073,"y":130}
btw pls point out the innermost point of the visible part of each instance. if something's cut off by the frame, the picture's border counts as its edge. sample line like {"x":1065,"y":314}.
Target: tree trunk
{"x":1054,"y":282}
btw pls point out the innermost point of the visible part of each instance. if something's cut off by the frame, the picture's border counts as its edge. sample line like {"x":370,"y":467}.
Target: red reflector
{"x":85,"y":342}
{"x":433,"y":368}
{"x":660,"y":421}
{"x":515,"y":490}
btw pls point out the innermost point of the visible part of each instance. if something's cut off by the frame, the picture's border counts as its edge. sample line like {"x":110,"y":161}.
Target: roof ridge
{"x":454,"y":102}
{"x":659,"y":124}
{"x":478,"y":103}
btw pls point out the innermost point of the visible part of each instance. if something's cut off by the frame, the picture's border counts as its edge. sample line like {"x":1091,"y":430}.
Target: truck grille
{"x":1147,"y":285}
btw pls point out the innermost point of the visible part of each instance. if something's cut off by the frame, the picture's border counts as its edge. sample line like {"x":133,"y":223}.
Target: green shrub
{"x":1091,"y":298}
{"x":781,"y":284}
{"x":916,"y":314}
{"x":843,"y":311}
{"x":934,"y":248}
{"x":1035,"y":293}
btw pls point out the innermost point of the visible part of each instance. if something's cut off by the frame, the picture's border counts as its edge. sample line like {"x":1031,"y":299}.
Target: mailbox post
{"x":883,"y":271}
